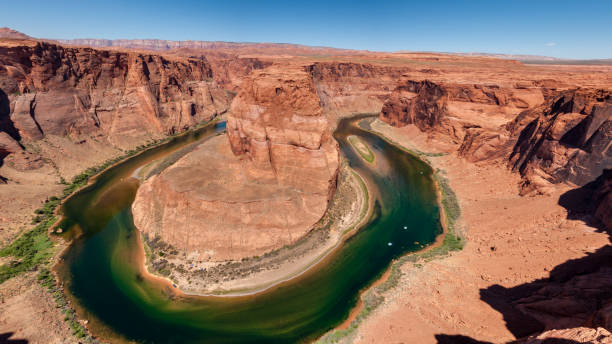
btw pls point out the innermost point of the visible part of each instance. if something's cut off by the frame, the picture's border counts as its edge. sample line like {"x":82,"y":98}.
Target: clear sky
{"x":567,"y":29}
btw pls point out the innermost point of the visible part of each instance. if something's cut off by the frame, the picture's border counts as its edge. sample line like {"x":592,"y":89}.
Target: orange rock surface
{"x":215,"y":205}
{"x":124,"y":97}
{"x":520,"y":141}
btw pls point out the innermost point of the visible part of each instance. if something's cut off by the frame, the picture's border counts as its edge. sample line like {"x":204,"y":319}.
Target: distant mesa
{"x":6,"y":32}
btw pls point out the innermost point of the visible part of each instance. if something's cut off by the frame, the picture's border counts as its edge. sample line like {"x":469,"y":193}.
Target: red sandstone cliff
{"x":453,"y":108}
{"x":348,"y":88}
{"x":563,"y":139}
{"x":229,"y":70}
{"x":568,"y":139}
{"x":260,"y":187}
{"x":121,"y":98}
{"x":277,"y":121}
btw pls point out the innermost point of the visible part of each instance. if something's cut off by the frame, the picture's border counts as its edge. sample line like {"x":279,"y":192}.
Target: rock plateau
{"x":259,"y":188}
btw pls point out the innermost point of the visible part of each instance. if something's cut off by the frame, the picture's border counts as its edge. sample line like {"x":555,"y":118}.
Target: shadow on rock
{"x":591,"y":203}
{"x":553,"y":341}
{"x":577,"y":292}
{"x":5,"y":339}
{"x":457,"y":339}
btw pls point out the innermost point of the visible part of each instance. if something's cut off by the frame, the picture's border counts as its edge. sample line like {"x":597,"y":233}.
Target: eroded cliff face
{"x":277,"y":122}
{"x":229,"y":70}
{"x":260,"y":187}
{"x":421,"y":103}
{"x":348,"y":88}
{"x":548,"y":136}
{"x":455,"y":110}
{"x":117,"y":97}
{"x":565,"y":139}
{"x":568,"y":139}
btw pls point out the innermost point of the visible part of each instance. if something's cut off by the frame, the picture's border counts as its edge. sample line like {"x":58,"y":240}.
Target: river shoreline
{"x":408,"y":169}
{"x":307,"y":261}
{"x":510,"y":241}
{"x":348,"y":327}
{"x":91,"y":180}
{"x":297,"y":266}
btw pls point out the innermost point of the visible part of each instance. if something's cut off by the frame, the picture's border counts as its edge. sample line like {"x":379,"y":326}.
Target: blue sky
{"x":567,"y":29}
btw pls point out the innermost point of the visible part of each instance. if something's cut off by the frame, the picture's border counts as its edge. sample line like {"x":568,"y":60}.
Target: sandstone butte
{"x":540,"y":134}
{"x":215,"y":205}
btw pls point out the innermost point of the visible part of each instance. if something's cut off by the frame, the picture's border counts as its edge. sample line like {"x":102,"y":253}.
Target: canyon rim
{"x":520,"y":151}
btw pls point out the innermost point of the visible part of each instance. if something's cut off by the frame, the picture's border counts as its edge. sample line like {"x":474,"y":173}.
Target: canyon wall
{"x":229,"y":70}
{"x":258,"y":188}
{"x":569,"y":139}
{"x":451,"y":109}
{"x":123,"y":99}
{"x":348,"y":88}
{"x":548,"y":136}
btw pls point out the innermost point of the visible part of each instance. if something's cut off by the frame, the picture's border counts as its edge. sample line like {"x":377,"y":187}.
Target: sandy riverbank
{"x":348,"y":209}
{"x":511,"y":240}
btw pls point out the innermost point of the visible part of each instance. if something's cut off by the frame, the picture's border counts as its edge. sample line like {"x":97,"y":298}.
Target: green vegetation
{"x":47,"y":280}
{"x":362,"y":148}
{"x":453,"y":241}
{"x":34,"y":250}
{"x":29,"y":250}
{"x":34,"y":247}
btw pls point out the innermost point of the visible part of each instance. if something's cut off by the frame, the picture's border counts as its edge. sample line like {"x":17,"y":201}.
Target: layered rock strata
{"x":259,"y":188}
{"x":119,"y":97}
{"x":549,"y":137}
{"x":347,"y":88}
{"x":568,"y":139}
{"x":453,"y":109}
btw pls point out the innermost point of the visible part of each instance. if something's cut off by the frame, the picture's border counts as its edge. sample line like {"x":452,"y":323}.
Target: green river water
{"x":101,"y":273}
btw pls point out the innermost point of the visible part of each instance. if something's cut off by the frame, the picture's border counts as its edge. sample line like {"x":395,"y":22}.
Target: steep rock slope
{"x":453,"y":110}
{"x":347,"y":87}
{"x":277,"y":122}
{"x":122,"y":98}
{"x":550,"y":137}
{"x":229,"y":70}
{"x":569,"y":139}
{"x":260,"y":187}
